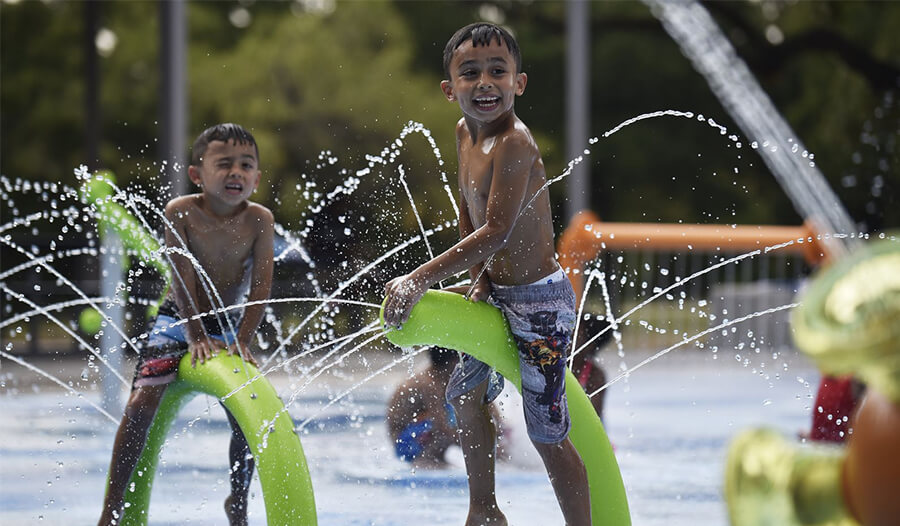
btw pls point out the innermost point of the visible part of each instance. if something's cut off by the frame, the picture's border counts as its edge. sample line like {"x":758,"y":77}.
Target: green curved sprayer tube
{"x":115,"y":218}
{"x":283,"y":472}
{"x":449,"y":320}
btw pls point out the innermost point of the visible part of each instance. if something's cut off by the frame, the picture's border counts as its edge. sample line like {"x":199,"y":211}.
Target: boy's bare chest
{"x":476,"y":171}
{"x":223,"y":244}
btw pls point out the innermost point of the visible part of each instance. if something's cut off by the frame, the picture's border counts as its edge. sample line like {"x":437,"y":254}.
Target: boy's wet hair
{"x":221,"y":132}
{"x":482,"y":34}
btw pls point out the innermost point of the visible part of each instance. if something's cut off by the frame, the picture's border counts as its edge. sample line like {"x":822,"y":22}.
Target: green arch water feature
{"x":440,"y":318}
{"x":283,"y":471}
{"x":449,"y":320}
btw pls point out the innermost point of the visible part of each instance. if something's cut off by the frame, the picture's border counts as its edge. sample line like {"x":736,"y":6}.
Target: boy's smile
{"x":483,"y":80}
{"x":487,"y":103}
{"x":234,"y":188}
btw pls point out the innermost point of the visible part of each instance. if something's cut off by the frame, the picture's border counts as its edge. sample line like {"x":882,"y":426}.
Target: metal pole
{"x":173,"y":103}
{"x":92,"y":86}
{"x":578,"y":104}
{"x":111,"y":269}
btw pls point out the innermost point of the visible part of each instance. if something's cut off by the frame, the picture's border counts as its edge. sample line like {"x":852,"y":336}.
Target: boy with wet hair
{"x":507,"y":246}
{"x":231,"y":239}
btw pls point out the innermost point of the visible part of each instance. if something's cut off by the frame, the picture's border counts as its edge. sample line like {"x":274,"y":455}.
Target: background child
{"x":507,"y":245}
{"x":231,"y":239}
{"x":586,"y":364}
{"x":420,"y":422}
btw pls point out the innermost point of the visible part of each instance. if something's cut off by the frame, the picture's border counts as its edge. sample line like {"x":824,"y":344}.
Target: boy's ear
{"x":521,"y":81}
{"x":194,"y":175}
{"x":447,"y":88}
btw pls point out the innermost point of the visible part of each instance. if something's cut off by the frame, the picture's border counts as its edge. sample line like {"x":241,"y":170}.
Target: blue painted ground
{"x":670,"y":424}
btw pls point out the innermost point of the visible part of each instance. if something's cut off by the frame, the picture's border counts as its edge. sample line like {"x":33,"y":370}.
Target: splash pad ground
{"x":670,"y":424}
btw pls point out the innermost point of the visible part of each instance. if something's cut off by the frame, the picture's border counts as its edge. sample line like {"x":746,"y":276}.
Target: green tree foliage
{"x":313,"y":83}
{"x":346,"y":81}
{"x":832,"y":69}
{"x":321,"y":91}
{"x":41,"y":93}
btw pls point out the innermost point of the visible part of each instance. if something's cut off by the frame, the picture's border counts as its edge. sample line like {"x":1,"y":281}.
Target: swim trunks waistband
{"x":544,"y":292}
{"x":554,"y":277}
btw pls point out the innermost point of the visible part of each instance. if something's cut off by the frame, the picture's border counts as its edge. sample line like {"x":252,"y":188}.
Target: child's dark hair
{"x":221,"y":132}
{"x":441,"y":356}
{"x":482,"y":34}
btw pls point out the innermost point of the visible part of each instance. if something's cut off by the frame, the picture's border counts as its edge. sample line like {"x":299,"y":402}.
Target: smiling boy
{"x":231,"y":240}
{"x":507,"y":246}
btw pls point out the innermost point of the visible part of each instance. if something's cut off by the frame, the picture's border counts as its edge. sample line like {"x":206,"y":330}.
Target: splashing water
{"x":299,"y":335}
{"x":702,"y":41}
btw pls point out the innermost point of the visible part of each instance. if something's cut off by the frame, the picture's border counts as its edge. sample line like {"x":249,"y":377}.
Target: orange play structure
{"x":586,"y":235}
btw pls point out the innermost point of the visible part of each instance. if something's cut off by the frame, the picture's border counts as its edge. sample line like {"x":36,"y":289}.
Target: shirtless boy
{"x":231,"y":239}
{"x":507,"y":246}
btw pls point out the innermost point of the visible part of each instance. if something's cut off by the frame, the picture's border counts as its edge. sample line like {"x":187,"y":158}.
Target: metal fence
{"x":709,"y":286}
{"x":664,"y":298}
{"x":675,"y":294}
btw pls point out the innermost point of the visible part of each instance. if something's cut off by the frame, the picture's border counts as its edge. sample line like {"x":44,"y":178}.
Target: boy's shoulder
{"x":516,"y":144}
{"x":259,"y":211}
{"x":186,"y":202}
{"x":518,"y":135}
{"x":461,"y":129}
{"x":258,"y":219}
{"x":181,"y":203}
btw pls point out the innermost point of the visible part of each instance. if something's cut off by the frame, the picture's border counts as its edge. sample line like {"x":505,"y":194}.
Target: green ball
{"x":90,"y":321}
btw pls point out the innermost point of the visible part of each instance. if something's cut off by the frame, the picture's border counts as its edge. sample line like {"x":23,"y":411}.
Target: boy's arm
{"x":261,"y":284}
{"x":481,"y":286}
{"x":512,"y":162}
{"x":184,"y":283}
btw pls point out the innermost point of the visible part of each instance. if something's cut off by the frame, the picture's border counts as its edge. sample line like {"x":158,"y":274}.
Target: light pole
{"x":578,"y":103}
{"x":173,"y":93}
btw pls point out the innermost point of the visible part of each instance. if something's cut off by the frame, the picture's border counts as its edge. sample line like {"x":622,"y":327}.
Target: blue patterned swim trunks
{"x":167,"y":343}
{"x":541,"y":317}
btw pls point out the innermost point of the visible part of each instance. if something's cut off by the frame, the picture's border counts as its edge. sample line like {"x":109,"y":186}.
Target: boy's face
{"x":483,"y":80}
{"x":228,"y":171}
